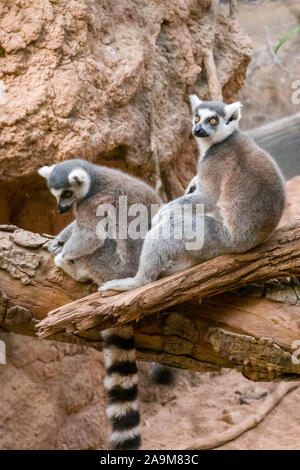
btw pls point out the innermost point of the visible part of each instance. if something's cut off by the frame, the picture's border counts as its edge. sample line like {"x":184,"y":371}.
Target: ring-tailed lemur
{"x":239,"y":185}
{"x":84,"y":255}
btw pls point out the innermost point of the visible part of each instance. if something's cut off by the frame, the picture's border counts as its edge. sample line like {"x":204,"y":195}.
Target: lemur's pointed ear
{"x":77,"y":177}
{"x":195,"y":101}
{"x":233,"y":111}
{"x":45,"y":171}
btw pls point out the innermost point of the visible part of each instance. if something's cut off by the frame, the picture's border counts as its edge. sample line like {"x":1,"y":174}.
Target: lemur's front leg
{"x":56,"y":245}
{"x":82,"y":242}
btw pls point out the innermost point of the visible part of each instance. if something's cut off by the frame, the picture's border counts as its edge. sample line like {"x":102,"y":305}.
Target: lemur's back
{"x":117,"y":182}
{"x":248,"y":188}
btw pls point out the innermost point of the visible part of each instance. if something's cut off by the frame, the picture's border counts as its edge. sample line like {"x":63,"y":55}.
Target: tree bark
{"x":30,"y":283}
{"x":176,"y":326}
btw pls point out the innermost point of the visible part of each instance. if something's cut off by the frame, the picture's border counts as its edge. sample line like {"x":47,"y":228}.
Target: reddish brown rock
{"x":52,"y":396}
{"x":108,"y":82}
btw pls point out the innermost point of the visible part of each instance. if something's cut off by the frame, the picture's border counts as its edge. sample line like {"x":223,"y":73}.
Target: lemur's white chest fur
{"x":204,"y":145}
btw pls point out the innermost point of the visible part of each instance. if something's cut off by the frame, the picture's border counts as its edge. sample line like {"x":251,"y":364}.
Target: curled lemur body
{"x":240,"y":187}
{"x":84,"y":255}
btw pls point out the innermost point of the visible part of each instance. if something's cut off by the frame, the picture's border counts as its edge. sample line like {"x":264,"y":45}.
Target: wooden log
{"x":279,"y":257}
{"x":256,"y":336}
{"x":30,"y":284}
{"x":253,"y":335}
{"x":226,"y":330}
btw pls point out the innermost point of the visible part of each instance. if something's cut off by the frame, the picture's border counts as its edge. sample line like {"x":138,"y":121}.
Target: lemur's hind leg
{"x":212,"y":240}
{"x":156,"y":255}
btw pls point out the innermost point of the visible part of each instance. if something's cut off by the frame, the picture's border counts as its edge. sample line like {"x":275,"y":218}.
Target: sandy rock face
{"x":108,"y":82}
{"x":52,"y":396}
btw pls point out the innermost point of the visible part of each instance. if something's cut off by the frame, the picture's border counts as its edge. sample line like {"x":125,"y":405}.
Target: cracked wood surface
{"x":254,"y":336}
{"x":30,"y":284}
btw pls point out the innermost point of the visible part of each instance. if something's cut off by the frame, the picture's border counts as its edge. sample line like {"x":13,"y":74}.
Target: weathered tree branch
{"x":214,"y":86}
{"x":250,"y":422}
{"x":211,"y":71}
{"x":254,"y":336}
{"x":30,"y":284}
{"x":233,"y":7}
{"x":279,"y":257}
{"x":251,"y":334}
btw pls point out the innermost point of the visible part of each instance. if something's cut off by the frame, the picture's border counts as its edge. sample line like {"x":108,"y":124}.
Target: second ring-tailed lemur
{"x":239,"y":185}
{"x":83,"y":254}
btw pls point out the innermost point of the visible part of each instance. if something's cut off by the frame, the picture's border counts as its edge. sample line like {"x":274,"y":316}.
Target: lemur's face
{"x":206,"y":123}
{"x":69,"y":186}
{"x":214,"y":120}
{"x":66,"y":198}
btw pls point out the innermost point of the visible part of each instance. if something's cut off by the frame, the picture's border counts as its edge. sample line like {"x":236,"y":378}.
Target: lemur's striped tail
{"x":122,"y":389}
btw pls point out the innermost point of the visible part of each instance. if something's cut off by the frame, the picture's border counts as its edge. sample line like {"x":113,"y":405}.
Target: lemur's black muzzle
{"x":64,"y":208}
{"x":199,"y":131}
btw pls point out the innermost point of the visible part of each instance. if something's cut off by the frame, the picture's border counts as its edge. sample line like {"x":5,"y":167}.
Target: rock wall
{"x":108,"y":82}
{"x":268,"y":93}
{"x":52,"y":396}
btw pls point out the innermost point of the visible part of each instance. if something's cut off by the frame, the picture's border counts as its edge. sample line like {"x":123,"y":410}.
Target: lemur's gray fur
{"x":238,"y":183}
{"x":83,"y":255}
{"x":84,"y":186}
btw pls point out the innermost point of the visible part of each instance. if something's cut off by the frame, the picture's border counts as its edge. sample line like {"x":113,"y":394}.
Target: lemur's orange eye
{"x":197,"y":119}
{"x":213,"y":121}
